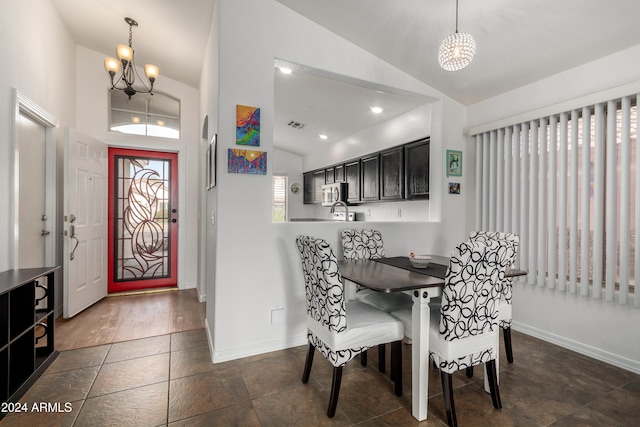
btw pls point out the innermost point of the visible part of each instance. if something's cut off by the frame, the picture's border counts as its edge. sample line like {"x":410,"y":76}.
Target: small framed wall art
{"x":454,"y":163}
{"x":247,"y":161}
{"x":247,"y":125}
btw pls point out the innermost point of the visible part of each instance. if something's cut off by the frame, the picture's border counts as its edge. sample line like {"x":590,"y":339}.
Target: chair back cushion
{"x":323,"y":283}
{"x":362,"y":244}
{"x":472,"y":288}
{"x":507,"y":289}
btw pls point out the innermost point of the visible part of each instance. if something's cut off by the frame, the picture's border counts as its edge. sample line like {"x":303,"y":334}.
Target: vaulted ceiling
{"x":518,"y":42}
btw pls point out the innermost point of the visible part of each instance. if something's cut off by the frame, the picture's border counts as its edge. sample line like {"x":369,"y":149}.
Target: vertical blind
{"x":567,"y":184}
{"x":279,"y":199}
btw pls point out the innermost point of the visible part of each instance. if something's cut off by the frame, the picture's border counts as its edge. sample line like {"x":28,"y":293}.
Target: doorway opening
{"x":143,"y":212}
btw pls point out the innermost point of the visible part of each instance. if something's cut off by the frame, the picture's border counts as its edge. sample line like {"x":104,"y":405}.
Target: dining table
{"x":396,"y":274}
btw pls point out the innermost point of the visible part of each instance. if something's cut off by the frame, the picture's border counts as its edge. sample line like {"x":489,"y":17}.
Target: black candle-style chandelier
{"x":126,"y":60}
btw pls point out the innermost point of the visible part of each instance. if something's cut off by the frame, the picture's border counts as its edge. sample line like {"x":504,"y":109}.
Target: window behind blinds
{"x":567,"y":184}
{"x":279,"y":199}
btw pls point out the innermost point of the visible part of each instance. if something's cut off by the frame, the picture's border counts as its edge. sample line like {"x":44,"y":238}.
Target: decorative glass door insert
{"x":143,"y":219}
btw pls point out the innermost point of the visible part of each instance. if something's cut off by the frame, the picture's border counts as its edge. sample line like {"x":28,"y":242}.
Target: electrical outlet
{"x":213,"y":217}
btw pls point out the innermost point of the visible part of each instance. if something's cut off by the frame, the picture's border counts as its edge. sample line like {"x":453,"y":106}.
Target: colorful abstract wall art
{"x":247,"y":161}
{"x":247,"y":125}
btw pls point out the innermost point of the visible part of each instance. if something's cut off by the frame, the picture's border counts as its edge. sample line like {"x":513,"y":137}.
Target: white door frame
{"x":23,"y":105}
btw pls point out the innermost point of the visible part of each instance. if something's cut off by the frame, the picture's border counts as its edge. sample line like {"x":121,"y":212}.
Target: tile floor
{"x":169,"y":380}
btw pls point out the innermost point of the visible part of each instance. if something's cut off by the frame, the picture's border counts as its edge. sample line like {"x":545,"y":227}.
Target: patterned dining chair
{"x":341,"y":329}
{"x":358,"y":244}
{"x":507,"y":285}
{"x":464,"y":332}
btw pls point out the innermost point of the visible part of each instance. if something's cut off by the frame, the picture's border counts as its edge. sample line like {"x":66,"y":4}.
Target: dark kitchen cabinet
{"x":392,"y":174}
{"x":318,"y":182}
{"x":329,"y":175}
{"x":352,"y":176}
{"x":27,"y":314}
{"x":416,"y":157}
{"x":370,"y":185}
{"x":339,"y":173}
{"x":307,"y":185}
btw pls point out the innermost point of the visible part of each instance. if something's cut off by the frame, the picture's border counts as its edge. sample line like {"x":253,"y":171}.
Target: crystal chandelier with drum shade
{"x":457,"y":50}
{"x":126,"y":60}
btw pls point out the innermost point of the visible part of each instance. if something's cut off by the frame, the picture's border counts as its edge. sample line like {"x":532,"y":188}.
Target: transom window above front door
{"x":145,"y":114}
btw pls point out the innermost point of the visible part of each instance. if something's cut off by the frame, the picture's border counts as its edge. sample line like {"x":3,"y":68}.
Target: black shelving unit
{"x":27,"y":328}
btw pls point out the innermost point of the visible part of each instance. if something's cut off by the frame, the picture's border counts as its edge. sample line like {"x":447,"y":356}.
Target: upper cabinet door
{"x":392,"y":174}
{"x":339,"y":173}
{"x":352,"y":176}
{"x":370,"y":178}
{"x":416,"y":157}
{"x":329,"y":175}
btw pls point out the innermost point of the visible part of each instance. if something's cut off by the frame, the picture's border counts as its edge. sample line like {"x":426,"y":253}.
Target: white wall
{"x":601,"y":329}
{"x":257,"y":268}
{"x":93,"y":120}
{"x":39,"y":58}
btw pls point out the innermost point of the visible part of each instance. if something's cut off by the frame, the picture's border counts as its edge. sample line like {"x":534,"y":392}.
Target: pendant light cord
{"x":456,"y":17}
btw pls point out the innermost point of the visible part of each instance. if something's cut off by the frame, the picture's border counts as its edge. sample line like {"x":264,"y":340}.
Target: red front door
{"x":143,"y":228}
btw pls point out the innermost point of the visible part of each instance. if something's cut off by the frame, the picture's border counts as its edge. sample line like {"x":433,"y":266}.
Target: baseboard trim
{"x":266,"y":347}
{"x":603,"y":356}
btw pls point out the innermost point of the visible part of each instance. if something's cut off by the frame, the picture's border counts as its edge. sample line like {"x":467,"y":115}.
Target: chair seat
{"x":366,"y":327}
{"x":459,"y":350}
{"x":404,"y":315}
{"x":382,"y":301}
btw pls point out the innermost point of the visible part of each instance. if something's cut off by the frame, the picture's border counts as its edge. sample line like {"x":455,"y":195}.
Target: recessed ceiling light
{"x":285,"y":70}
{"x":323,"y":136}
{"x":376,"y":110}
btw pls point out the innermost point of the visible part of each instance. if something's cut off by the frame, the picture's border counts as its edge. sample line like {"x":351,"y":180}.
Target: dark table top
{"x":384,"y":277}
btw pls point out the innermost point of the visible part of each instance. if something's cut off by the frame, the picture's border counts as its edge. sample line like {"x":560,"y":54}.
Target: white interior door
{"x":32,"y":218}
{"x":85,"y":215}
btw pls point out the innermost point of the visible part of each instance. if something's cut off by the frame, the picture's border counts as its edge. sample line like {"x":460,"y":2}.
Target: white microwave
{"x":332,"y":193}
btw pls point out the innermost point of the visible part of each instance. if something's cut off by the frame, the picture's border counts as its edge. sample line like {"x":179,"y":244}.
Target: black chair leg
{"x":308,"y":363}
{"x":493,"y":384}
{"x":335,"y":390}
{"x":382,"y":348}
{"x":363,"y":358}
{"x":507,"y":343}
{"x":469,"y":372}
{"x":447,"y":392}
{"x":396,"y":366}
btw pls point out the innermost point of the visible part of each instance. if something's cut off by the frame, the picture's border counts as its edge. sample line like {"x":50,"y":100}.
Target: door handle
{"x":72,"y":229}
{"x":45,"y":233}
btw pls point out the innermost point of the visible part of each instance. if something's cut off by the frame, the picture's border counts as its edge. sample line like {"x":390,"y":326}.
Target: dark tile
{"x":403,"y":418}
{"x":139,"y":348}
{"x":367,"y":394}
{"x":242,"y":414}
{"x":68,"y":386}
{"x":272,"y":375}
{"x":527,"y":391}
{"x":620,"y":405}
{"x":81,"y":358}
{"x":304,"y":405}
{"x":575,"y":362}
{"x":132,"y":373}
{"x":189,"y":339}
{"x":59,"y":417}
{"x":633,"y":386}
{"x":191,"y":362}
{"x":199,"y":394}
{"x":586,"y":418}
{"x":142,"y":406}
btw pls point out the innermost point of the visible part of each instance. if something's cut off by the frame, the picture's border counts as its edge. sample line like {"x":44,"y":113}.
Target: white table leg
{"x":420,"y":317}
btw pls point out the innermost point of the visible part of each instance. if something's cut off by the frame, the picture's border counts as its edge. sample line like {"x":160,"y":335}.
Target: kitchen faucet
{"x":346,"y":208}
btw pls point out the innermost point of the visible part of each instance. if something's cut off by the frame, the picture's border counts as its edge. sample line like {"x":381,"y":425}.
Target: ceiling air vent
{"x":296,"y":125}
